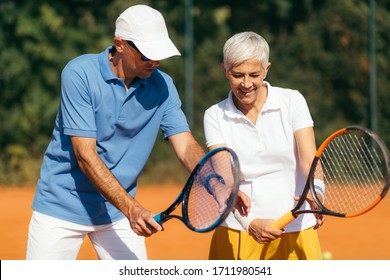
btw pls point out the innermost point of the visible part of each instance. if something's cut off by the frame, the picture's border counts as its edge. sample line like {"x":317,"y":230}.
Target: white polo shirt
{"x":267,"y":152}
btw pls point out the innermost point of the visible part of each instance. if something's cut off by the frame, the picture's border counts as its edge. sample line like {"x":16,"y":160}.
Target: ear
{"x":224,"y":69}
{"x":266,"y":69}
{"x":268,"y":66}
{"x":119,"y":44}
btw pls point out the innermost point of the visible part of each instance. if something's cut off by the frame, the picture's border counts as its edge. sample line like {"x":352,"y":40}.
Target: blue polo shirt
{"x":125,"y":123}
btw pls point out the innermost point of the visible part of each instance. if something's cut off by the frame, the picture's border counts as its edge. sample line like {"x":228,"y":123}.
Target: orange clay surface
{"x":364,"y":237}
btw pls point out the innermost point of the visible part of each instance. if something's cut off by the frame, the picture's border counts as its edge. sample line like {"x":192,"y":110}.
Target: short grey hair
{"x":245,"y":46}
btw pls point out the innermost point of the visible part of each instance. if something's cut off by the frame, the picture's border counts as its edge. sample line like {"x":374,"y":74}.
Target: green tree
{"x":317,"y":47}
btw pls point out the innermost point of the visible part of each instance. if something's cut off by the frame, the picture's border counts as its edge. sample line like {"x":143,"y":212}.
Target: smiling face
{"x":246,"y":63}
{"x":246,"y":82}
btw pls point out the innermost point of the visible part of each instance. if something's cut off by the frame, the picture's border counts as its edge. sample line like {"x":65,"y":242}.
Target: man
{"x":112,"y":107}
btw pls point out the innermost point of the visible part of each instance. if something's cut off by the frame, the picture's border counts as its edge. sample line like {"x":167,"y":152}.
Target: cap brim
{"x":157,"y":50}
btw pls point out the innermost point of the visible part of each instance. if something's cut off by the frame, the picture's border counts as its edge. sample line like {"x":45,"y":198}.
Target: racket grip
{"x":158,"y":218}
{"x":283,"y":221}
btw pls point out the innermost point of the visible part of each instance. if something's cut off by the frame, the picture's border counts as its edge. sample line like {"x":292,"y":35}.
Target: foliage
{"x":317,"y":47}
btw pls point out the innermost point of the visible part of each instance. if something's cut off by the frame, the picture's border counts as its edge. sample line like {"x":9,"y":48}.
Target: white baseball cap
{"x":146,"y":28}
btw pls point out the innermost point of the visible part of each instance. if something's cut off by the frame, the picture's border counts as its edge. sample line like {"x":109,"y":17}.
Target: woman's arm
{"x":305,"y":141}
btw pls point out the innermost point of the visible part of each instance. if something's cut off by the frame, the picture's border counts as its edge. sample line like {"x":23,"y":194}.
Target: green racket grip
{"x":283,"y":221}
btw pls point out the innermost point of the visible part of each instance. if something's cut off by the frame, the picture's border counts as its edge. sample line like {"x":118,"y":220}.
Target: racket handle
{"x":158,"y":218}
{"x":283,"y":221}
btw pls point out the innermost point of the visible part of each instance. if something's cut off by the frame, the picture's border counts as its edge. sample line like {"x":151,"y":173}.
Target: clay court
{"x":361,"y":238}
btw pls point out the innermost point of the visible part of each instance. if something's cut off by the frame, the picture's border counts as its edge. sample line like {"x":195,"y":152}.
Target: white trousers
{"x":55,"y":239}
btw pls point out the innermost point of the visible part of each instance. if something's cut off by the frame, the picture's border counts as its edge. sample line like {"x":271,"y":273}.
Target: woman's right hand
{"x":262,"y":232}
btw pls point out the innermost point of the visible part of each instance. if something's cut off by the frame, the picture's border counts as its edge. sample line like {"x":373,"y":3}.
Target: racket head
{"x":211,"y":191}
{"x":353,"y":165}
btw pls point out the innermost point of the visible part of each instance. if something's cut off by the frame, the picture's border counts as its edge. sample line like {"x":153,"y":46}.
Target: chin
{"x":145,"y":75}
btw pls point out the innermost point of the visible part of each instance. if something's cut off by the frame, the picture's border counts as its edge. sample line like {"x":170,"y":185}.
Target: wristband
{"x":244,"y":221}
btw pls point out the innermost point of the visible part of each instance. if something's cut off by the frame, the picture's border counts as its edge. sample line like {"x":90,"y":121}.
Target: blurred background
{"x":336,"y":53}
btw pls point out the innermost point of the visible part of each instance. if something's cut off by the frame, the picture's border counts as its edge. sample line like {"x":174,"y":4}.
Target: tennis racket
{"x":348,"y":177}
{"x":209,"y":193}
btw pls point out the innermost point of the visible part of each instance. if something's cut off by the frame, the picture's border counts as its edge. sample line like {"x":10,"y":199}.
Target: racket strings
{"x":211,"y":191}
{"x":353,"y":169}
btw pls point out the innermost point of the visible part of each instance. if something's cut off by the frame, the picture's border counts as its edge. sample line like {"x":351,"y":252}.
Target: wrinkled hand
{"x":243,"y":204}
{"x":262,"y":232}
{"x":314,"y":206}
{"x":141,"y":221}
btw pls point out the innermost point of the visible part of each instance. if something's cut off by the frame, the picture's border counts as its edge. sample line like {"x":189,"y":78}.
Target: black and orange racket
{"x":348,"y":177}
{"x":210,"y":192}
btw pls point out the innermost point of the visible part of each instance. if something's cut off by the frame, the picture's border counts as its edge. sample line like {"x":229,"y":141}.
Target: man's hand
{"x":142,"y":222}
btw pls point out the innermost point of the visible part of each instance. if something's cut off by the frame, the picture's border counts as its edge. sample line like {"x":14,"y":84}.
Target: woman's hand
{"x":262,"y":232}
{"x":243,"y":204}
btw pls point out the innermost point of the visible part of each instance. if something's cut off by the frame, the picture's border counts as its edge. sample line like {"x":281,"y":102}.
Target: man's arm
{"x":106,"y":183}
{"x":187,"y":149}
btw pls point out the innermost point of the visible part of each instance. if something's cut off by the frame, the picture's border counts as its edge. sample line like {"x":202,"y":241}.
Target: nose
{"x":155,"y":63}
{"x":246,"y":83}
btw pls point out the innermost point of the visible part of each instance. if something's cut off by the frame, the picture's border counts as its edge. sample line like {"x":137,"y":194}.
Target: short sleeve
{"x":76,"y":107}
{"x":212,"y":128}
{"x":174,"y":120}
{"x":300,"y":113}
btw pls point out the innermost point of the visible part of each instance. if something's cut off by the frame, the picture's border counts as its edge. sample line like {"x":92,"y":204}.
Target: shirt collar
{"x":105,"y":66}
{"x":106,"y":70}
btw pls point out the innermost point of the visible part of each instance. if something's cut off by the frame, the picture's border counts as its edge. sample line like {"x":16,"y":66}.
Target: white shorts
{"x":55,"y":239}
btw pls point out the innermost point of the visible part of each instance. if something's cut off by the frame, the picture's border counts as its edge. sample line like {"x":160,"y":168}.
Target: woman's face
{"x":246,"y":80}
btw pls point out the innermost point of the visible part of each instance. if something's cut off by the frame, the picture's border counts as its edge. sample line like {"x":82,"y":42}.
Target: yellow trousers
{"x":230,"y":244}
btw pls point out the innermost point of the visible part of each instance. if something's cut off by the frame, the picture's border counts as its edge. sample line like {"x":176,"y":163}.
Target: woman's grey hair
{"x":245,"y":46}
